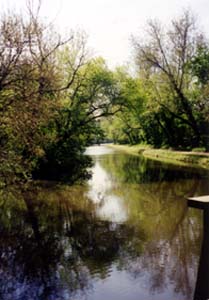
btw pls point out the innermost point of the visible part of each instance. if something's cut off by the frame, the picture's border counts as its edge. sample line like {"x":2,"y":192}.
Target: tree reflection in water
{"x":52,"y":245}
{"x":173,"y":247}
{"x":56,"y":243}
{"x":202,"y":282}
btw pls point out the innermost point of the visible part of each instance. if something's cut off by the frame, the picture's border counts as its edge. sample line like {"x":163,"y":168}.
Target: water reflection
{"x":202,"y":283}
{"x":125,"y":235}
{"x":109,"y":206}
{"x":55,"y":245}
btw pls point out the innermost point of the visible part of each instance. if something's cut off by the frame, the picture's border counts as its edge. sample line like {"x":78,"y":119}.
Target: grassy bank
{"x":193,"y":159}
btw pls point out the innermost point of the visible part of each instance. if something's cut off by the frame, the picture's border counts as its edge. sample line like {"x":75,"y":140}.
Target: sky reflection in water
{"x":128,"y":234}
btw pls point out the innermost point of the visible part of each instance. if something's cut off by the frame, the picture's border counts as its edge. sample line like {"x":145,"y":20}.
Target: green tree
{"x":33,"y":88}
{"x":126,"y":125}
{"x":94,"y":94}
{"x":28,"y":81}
{"x":163,"y":59}
{"x":199,"y":68}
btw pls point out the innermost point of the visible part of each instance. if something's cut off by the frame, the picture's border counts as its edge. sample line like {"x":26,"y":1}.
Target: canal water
{"x":126,"y":234}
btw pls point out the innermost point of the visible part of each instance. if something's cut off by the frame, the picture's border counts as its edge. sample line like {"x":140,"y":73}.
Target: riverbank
{"x":193,"y":159}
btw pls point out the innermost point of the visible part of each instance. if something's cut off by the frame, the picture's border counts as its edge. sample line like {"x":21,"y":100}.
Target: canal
{"x":126,"y":234}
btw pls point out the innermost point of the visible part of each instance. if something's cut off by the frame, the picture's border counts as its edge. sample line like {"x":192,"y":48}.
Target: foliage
{"x":93,"y":95}
{"x":51,"y":97}
{"x":126,"y":125}
{"x":55,"y":99}
{"x":166,"y":103}
{"x":28,"y":84}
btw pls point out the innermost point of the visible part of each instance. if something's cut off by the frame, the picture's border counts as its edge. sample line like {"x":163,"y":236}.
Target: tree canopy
{"x":56,"y":99}
{"x":172,"y":73}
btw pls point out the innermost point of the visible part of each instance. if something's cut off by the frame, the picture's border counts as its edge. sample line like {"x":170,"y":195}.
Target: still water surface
{"x":127,"y":234}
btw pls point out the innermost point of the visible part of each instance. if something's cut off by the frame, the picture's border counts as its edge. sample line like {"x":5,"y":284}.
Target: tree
{"x":199,"y":68}
{"x":31,"y":88}
{"x":126,"y":125}
{"x":93,"y":95}
{"x":52,"y":96}
{"x":164,"y":58}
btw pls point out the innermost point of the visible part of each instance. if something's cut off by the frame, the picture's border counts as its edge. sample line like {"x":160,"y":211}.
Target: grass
{"x":193,"y":159}
{"x":136,"y":149}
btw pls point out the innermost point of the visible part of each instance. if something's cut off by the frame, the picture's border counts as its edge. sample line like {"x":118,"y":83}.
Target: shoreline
{"x":182,"y":158}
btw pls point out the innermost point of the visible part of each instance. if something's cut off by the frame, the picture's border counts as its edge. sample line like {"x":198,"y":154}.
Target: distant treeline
{"x":55,"y":98}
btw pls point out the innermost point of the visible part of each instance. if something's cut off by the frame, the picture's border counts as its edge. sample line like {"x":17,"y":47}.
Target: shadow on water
{"x":127,"y":234}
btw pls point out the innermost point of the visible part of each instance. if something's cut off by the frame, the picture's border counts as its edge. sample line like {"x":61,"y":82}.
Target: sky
{"x":111,"y":23}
